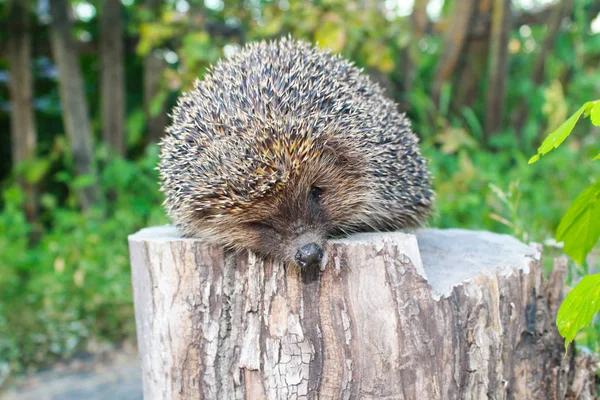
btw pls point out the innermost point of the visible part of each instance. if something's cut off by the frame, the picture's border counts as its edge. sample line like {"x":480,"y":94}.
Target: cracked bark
{"x":447,"y":314}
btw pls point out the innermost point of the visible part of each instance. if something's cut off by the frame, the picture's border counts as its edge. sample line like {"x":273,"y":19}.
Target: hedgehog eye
{"x":315,"y":194}
{"x":259,"y":226}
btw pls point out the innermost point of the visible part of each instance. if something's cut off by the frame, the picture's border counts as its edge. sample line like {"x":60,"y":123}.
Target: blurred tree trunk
{"x":72,"y":96}
{"x":562,"y":9}
{"x":471,"y":65}
{"x":112,"y":86}
{"x":419,"y":22}
{"x":419,"y":19}
{"x":453,"y":43}
{"x":498,"y":66}
{"x":153,"y":72}
{"x":23,"y":129}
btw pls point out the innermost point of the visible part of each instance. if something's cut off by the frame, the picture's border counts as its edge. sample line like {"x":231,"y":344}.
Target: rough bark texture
{"x":453,"y":44}
{"x":498,"y":65}
{"x":154,"y":65}
{"x":72,"y":97}
{"x":456,"y":315}
{"x":112,"y":89}
{"x":23,"y":129}
{"x":470,"y":69}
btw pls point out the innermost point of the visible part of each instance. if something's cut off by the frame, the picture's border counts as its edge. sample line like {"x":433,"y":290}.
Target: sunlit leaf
{"x":597,"y":157}
{"x":579,"y":228}
{"x":386,"y":61}
{"x":36,"y":169}
{"x":273,"y":25}
{"x":579,"y":307}
{"x":595,"y":113}
{"x":555,"y":138}
{"x":153,"y":35}
{"x":331,"y":35}
{"x":379,"y":56}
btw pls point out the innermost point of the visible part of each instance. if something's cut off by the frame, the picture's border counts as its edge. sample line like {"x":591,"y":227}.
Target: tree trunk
{"x":72,"y":97}
{"x":112,"y":89}
{"x":419,"y":23}
{"x":153,"y":72}
{"x":498,"y":66}
{"x":471,"y":68}
{"x":442,"y":315}
{"x":23,"y":129}
{"x":157,"y":121}
{"x":453,"y":43}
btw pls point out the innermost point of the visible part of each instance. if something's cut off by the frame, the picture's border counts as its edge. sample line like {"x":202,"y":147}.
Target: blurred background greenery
{"x":86,"y":86}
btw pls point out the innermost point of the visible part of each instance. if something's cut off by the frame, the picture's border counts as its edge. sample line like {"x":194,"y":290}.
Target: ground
{"x":108,"y":376}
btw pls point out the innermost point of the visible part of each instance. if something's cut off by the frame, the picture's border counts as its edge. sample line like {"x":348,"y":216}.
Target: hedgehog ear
{"x":343,"y":154}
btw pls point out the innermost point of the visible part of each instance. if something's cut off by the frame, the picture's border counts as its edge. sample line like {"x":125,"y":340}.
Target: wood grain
{"x":449,"y":314}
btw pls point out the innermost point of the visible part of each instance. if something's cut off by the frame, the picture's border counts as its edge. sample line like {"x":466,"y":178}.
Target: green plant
{"x":579,"y":229}
{"x":73,"y":284}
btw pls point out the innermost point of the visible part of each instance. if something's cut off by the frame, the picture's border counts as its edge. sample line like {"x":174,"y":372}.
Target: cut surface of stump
{"x":443,"y":314}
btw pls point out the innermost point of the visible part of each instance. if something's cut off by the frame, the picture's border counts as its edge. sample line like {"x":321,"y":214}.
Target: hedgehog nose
{"x":309,"y":254}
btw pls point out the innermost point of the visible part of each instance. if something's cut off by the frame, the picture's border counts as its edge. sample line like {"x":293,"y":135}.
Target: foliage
{"x":579,"y":229}
{"x":74,"y":285}
{"x":580,"y":306}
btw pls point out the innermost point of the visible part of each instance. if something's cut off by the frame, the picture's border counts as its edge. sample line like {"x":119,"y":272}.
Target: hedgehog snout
{"x":309,"y":255}
{"x":307,"y":249}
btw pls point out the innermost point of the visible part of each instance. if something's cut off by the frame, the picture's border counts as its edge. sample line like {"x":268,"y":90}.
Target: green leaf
{"x":554,"y":139}
{"x":596,"y":158}
{"x":595,"y":114}
{"x":135,"y":123}
{"x":36,"y":170}
{"x":534,"y":158}
{"x":153,"y":35}
{"x":580,"y":226}
{"x":158,"y":102}
{"x":579,"y":307}
{"x":331,"y":34}
{"x":83,"y":181}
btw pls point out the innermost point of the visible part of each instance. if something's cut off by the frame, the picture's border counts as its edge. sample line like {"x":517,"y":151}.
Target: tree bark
{"x":72,"y":97}
{"x":453,"y":44}
{"x":497,"y":66}
{"x":112,"y":89}
{"x":442,"y":315}
{"x":23,"y":128}
{"x":419,"y":23}
{"x":471,"y":67}
{"x":153,"y":75}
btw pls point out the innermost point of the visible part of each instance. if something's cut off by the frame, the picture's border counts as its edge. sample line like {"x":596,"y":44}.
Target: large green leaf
{"x":580,"y":226}
{"x":555,"y":138}
{"x":579,"y":307}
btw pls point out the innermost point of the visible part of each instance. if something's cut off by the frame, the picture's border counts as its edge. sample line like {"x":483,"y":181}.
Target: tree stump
{"x":445,"y":314}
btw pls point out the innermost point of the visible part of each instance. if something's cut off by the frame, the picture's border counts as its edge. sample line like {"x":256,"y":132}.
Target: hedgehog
{"x":284,"y":145}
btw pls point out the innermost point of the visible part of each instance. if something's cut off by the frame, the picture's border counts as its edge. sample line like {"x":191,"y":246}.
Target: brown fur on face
{"x":320,"y":199}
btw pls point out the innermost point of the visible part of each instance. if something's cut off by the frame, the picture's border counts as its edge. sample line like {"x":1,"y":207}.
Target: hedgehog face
{"x":295,"y":228}
{"x":293,"y":222}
